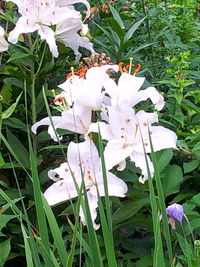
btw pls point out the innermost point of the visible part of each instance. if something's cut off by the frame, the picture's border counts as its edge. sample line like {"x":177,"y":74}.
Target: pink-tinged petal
{"x":47,"y":34}
{"x":151,"y":93}
{"x":115,"y":152}
{"x":93,"y":204}
{"x":24,"y":25}
{"x":140,"y":162}
{"x":122,"y":122}
{"x":116,"y":186}
{"x":59,"y":192}
{"x":84,"y":155}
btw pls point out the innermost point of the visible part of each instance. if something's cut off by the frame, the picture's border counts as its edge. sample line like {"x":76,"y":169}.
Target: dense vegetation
{"x":158,"y":40}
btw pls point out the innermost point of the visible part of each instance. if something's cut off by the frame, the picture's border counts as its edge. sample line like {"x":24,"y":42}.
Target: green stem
{"x":33,"y":99}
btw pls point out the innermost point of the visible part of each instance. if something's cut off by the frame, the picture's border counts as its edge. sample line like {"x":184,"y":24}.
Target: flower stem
{"x":33,"y":99}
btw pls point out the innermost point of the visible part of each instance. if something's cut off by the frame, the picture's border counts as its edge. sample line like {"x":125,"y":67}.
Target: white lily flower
{"x":3,"y":43}
{"x":127,"y":91}
{"x":39,"y":15}
{"x":83,"y":159}
{"x":76,"y":119}
{"x":84,"y":90}
{"x":127,"y":132}
{"x":67,"y":33}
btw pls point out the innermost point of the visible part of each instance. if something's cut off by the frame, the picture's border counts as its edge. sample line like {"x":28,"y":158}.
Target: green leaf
{"x":14,"y":81}
{"x":18,"y":55}
{"x":190,"y":166}
{"x":8,"y":112}
{"x":172,"y":180}
{"x":163,"y":158}
{"x":2,"y":162}
{"x":131,"y":31}
{"x":4,"y":219}
{"x":18,"y":149}
{"x":116,"y":16}
{"x":5,"y":250}
{"x":129,"y":209}
{"x":15,"y":123}
{"x":54,"y":147}
{"x":145,"y":261}
{"x":6,"y":93}
{"x":185,"y":247}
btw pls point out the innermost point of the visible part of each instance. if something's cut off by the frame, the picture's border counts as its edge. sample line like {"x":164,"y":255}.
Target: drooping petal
{"x":67,"y":33}
{"x":116,"y":186}
{"x":71,"y":2}
{"x":59,"y":192}
{"x":24,"y":25}
{"x":46,"y":121}
{"x":115,"y":152}
{"x":151,"y":93}
{"x":162,"y":138}
{"x":47,"y":34}
{"x":93,"y":204}
{"x":139,"y":160}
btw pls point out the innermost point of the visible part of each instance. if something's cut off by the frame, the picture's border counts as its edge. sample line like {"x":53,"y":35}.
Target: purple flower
{"x":174,"y":212}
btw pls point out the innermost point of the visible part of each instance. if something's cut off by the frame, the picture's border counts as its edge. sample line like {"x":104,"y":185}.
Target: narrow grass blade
{"x":56,"y":233}
{"x":29,"y":260}
{"x":161,"y":199}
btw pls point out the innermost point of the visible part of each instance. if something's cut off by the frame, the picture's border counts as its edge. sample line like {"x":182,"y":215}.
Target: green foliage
{"x":164,"y":38}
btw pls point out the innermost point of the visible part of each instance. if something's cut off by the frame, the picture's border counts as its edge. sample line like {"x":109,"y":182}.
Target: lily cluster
{"x":127,"y":132}
{"x":53,"y":20}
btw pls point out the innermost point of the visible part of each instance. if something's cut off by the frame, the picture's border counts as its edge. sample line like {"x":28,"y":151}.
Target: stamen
{"x":127,"y":121}
{"x":61,"y":99}
{"x":137,"y":69}
{"x":120,"y":66}
{"x":81,"y":73}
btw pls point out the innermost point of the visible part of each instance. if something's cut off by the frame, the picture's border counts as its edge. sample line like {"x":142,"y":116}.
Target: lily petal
{"x":93,"y":204}
{"x":59,"y":192}
{"x":47,"y":34}
{"x":139,"y":160}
